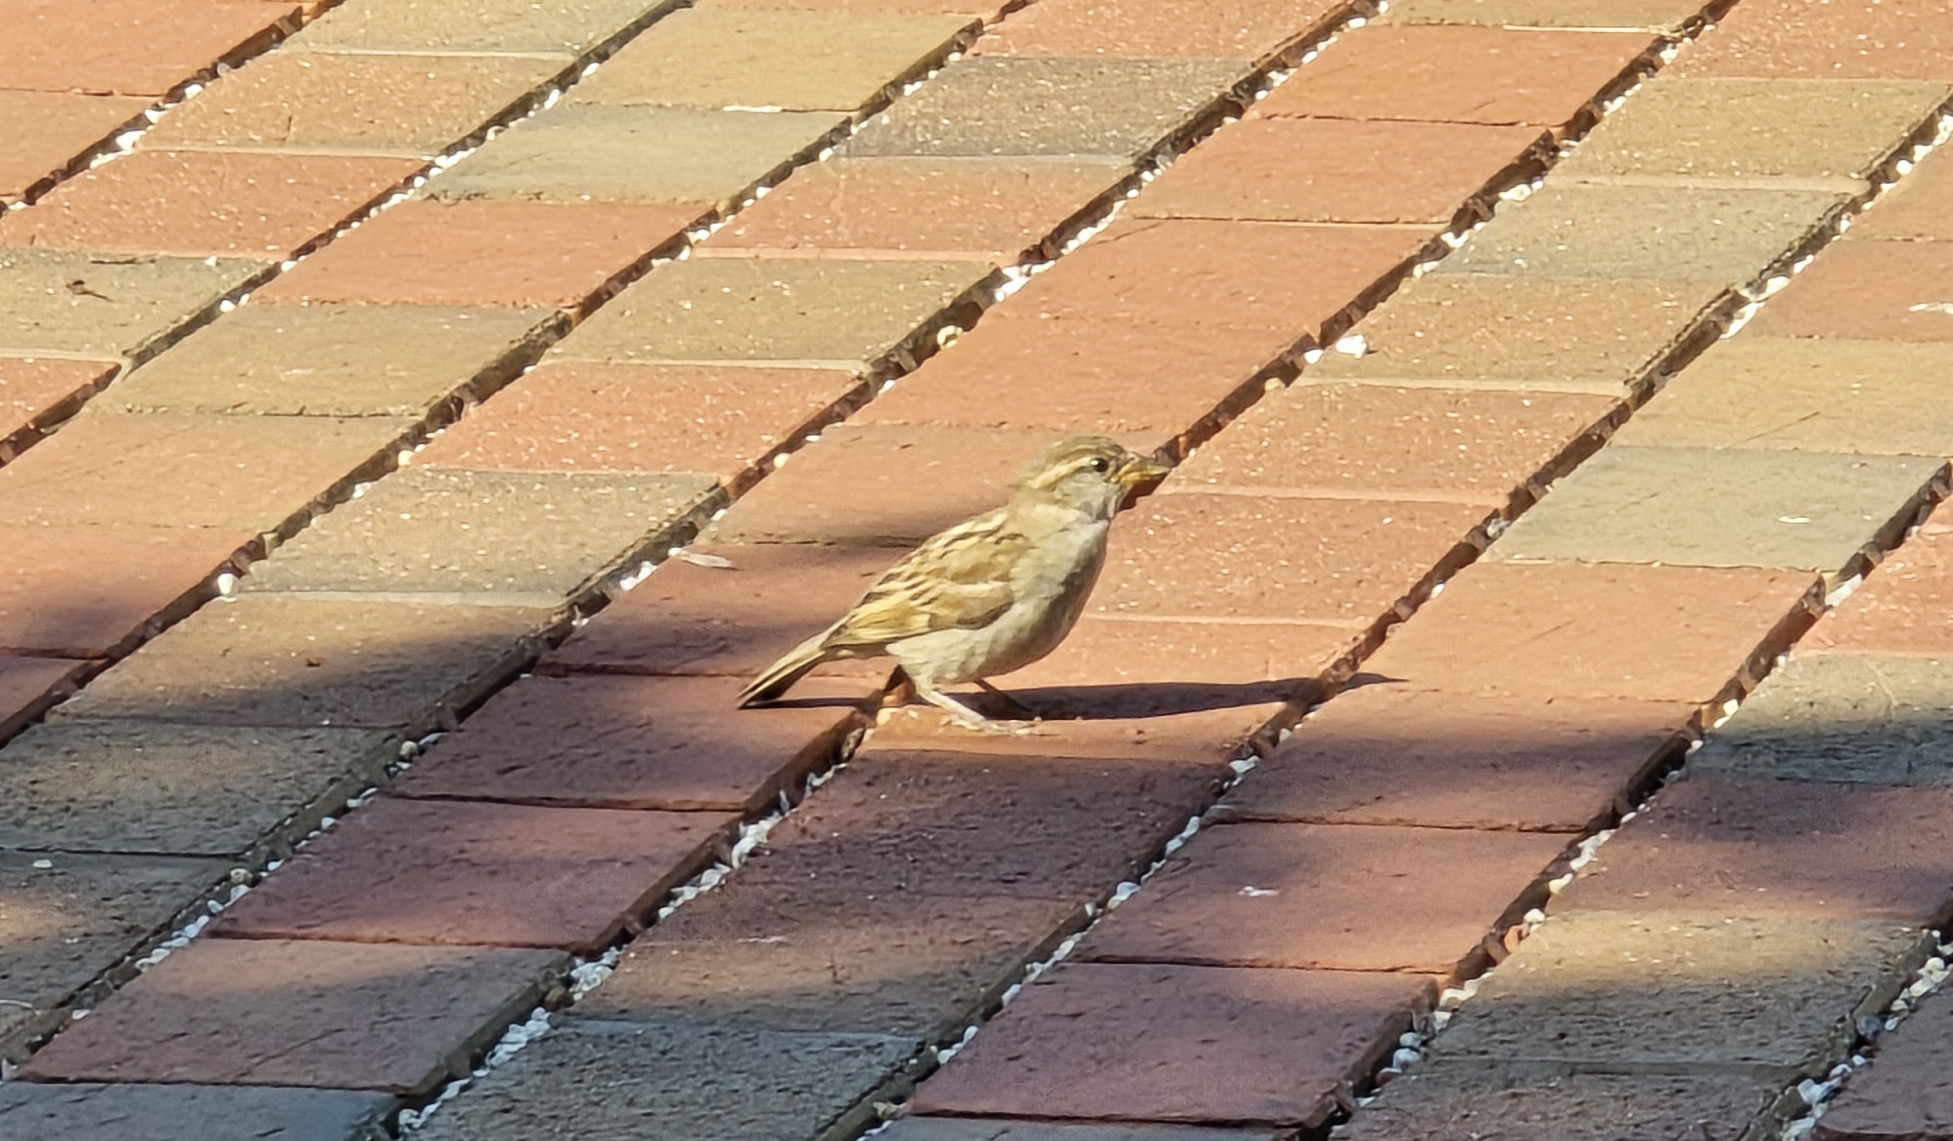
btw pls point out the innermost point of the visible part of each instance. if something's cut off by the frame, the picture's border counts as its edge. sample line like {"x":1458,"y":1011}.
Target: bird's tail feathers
{"x":776,"y":679}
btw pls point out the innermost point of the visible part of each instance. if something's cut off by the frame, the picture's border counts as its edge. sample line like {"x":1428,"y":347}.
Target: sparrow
{"x":990,"y":595}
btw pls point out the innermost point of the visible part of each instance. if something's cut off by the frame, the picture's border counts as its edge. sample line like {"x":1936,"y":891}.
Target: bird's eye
{"x":1101,"y":464}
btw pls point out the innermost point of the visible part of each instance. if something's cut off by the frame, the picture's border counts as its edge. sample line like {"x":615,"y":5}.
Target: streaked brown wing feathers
{"x":958,"y":578}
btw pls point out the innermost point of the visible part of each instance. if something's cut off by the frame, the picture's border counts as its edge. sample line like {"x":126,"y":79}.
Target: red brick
{"x":30,"y":390}
{"x":482,"y":252}
{"x":1905,"y":1092}
{"x":1034,"y":823}
{"x":27,"y":685}
{"x":417,"y":871}
{"x":126,"y":47}
{"x":1920,"y":206}
{"x":87,"y":591}
{"x":302,"y":1013}
{"x":1142,"y":664}
{"x":1572,"y":630}
{"x":1202,"y":736}
{"x":1335,"y":170}
{"x":1456,"y":75}
{"x":1828,"y":39}
{"x":396,"y":104}
{"x":637,"y":742}
{"x":1175,"y":1043}
{"x":1329,"y":896}
{"x":1336,"y":439}
{"x":1905,"y":606}
{"x":1776,"y":847}
{"x":1383,"y":754}
{"x":692,"y":620}
{"x":43,"y":132}
{"x":588,"y":416}
{"x":203,"y":204}
{"x":1250,"y":556}
{"x":1868,"y":290}
{"x":996,"y":209}
{"x":1164,"y":29}
{"x":987,"y":9}
{"x":886,"y":484}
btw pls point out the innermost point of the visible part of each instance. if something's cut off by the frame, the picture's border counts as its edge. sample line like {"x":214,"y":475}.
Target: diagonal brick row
{"x":1198,"y":775}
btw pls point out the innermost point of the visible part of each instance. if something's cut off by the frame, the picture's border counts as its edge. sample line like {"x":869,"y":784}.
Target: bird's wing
{"x":958,"y":578}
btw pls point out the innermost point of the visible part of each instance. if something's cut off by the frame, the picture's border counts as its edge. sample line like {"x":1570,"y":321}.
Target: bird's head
{"x":1090,"y":474}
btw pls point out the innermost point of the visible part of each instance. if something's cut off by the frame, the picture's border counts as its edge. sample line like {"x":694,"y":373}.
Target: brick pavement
{"x":1400,"y":462}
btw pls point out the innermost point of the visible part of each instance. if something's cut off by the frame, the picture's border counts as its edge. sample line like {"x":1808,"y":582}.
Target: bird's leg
{"x":956,"y":709}
{"x":1022,"y":711}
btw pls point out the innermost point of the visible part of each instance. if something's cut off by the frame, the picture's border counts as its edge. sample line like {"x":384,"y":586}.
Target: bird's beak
{"x":1141,"y":470}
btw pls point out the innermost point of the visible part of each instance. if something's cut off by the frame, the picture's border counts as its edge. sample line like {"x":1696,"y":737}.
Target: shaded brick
{"x":594,"y":417}
{"x":884,"y":485}
{"x":1809,"y":39}
{"x":1335,"y":170}
{"x":284,"y":660}
{"x":689,"y":619}
{"x":1720,"y":507}
{"x":797,"y":61}
{"x":188,"y":469}
{"x":475,"y":26}
{"x":1535,"y":1103}
{"x":67,"y":922}
{"x":35,"y":392}
{"x":1754,"y":128}
{"x":1842,"y":718}
{"x":470,"y":252}
{"x":1248,"y":556}
{"x":1457,"y":75}
{"x":1656,"y":988}
{"x":416,"y":105}
{"x":1328,"y":896}
{"x":1569,"y":630}
{"x":1805,"y":395}
{"x":998,"y":1129}
{"x":1918,"y":207}
{"x":1889,"y":291}
{"x":104,"y":305}
{"x":1774,"y":847}
{"x":637,"y":742}
{"x":707,"y":159}
{"x":328,"y":360}
{"x":898,"y":822}
{"x":302,"y":1013}
{"x":817,"y":957}
{"x":1903,"y":609}
{"x":1381,"y":754}
{"x":617,"y":1081}
{"x":461,"y":872}
{"x":996,"y":209}
{"x":1903,"y":1093}
{"x":200,"y":204}
{"x":1178,"y":1043}
{"x":156,"y":787}
{"x":1186,"y":29}
{"x":1060,"y":107}
{"x":29,"y":685}
{"x":467,"y":532}
{"x":84,"y":591}
{"x":706,"y":309}
{"x":1530,"y":333}
{"x":41,"y":132}
{"x":1462,"y":445}
{"x":1661,"y":233}
{"x":90,"y":1112}
{"x":1611,"y":15}
{"x":128,"y":47}
{"x":1143,"y":664}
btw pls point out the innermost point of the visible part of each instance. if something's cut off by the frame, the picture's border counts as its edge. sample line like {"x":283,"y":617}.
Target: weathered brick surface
{"x":1903,"y":1093}
{"x":1900,"y":609}
{"x":1176,"y":1043}
{"x":29,"y":685}
{"x":1872,"y":290}
{"x":84,"y":591}
{"x":1000,"y":1129}
{"x":1322,"y":896}
{"x":103,"y":304}
{"x":375,"y":1017}
{"x":1613,"y":15}
{"x":161,"y":787}
{"x":127,"y":47}
{"x":702,"y":1081}
{"x":94,"y":1112}
{"x":1385,"y":754}
{"x":1918,"y":207}
{"x":34,"y":391}
{"x":461,"y":872}
{"x":638,"y":742}
{"x":1235,"y":30}
{"x":478,"y":25}
{"x":1145,"y":664}
{"x":1847,"y":718}
{"x":41,"y":132}
{"x":1803,"y":39}
{"x":281,"y":660}
{"x":204,"y":203}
